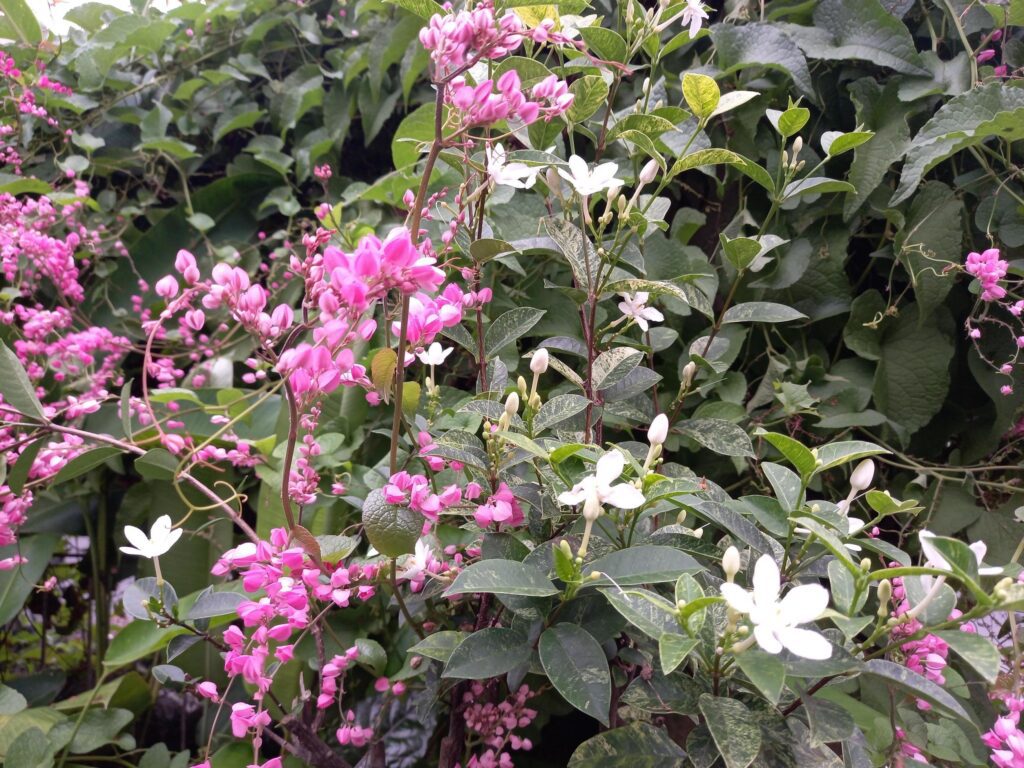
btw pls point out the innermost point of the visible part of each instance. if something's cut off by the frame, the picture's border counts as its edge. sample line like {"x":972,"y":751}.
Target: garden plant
{"x":593,"y":384}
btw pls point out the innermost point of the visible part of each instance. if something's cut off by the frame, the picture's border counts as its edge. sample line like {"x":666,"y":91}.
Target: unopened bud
{"x":659,"y":104}
{"x":648,"y":172}
{"x":658,"y":431}
{"x":815,"y":508}
{"x":884,"y":596}
{"x":522,"y":387}
{"x":512,"y":404}
{"x":798,"y":145}
{"x":731,"y":563}
{"x":535,"y":402}
{"x":680,"y":604}
{"x":865,"y":564}
{"x":800,"y":166}
{"x":689,"y":371}
{"x":785,"y":158}
{"x":862,"y":476}
{"x":595,"y":575}
{"x":539,"y":361}
{"x":566,"y":549}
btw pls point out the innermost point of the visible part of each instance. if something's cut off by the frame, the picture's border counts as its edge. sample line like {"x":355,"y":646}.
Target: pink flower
{"x":989,"y":268}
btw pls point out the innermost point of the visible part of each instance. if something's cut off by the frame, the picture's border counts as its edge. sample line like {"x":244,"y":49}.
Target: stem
{"x":286,"y":466}
{"x":414,"y":232}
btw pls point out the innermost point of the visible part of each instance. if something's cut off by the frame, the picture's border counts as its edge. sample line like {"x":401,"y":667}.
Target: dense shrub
{"x":589,"y":385}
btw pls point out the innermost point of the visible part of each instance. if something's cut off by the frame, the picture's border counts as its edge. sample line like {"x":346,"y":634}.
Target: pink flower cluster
{"x":483,"y":105}
{"x":989,"y":268}
{"x":1005,"y":738}
{"x":501,"y":508}
{"x":21,"y":90}
{"x":416,"y":492}
{"x":495,"y":724}
{"x":906,"y":749}
{"x":456,"y":41}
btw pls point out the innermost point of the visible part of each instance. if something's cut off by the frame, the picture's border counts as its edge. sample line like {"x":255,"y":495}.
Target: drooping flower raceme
{"x":776,"y":621}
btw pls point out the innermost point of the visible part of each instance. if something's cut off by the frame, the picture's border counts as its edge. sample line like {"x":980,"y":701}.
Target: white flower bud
{"x":798,"y":145}
{"x":658,"y":431}
{"x":539,"y":361}
{"x":512,"y":404}
{"x":862,"y":476}
{"x":731,"y":563}
{"x":521,"y":386}
{"x":648,"y":172}
{"x":689,"y":371}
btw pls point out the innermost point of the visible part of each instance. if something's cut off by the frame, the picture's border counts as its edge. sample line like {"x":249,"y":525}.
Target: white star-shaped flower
{"x":694,"y":15}
{"x":435,"y":354}
{"x":634,"y":306}
{"x":515,"y":174}
{"x":161,"y":538}
{"x":598,"y":486}
{"x":776,"y":622}
{"x":589,"y":182}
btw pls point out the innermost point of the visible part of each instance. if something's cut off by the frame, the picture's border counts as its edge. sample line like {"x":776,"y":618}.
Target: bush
{"x":605,"y":385}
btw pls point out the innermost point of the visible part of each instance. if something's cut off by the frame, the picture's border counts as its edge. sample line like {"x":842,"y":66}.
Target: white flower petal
{"x":767,"y":581}
{"x":739,"y":599}
{"x":133,"y":551}
{"x":805,"y":643}
{"x":572,"y":497}
{"x":931,"y":553}
{"x":766,"y":639}
{"x":137,"y":538}
{"x":803,"y":604}
{"x":624,"y":496}
{"x":609,"y":467}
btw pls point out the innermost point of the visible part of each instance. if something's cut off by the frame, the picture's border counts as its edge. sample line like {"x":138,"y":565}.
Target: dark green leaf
{"x":488,"y":653}
{"x":735,"y":732}
{"x":502,"y":577}
{"x":637,"y":745}
{"x":577,"y":667}
{"x":15,"y":386}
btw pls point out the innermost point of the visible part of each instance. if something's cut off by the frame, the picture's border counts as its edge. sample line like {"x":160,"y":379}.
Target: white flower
{"x":598,"y":486}
{"x":589,"y":182}
{"x":657,"y":433}
{"x":570,"y":25}
{"x":516,"y":175}
{"x":775,"y":621}
{"x":694,"y":15}
{"x":635,"y":306}
{"x":435,"y":354}
{"x":418,"y":562}
{"x":161,"y":538}
{"x":935,"y":559}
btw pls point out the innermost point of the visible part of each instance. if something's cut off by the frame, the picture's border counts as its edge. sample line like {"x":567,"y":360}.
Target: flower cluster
{"x":495,"y":724}
{"x":990,"y":269}
{"x":1005,"y":738}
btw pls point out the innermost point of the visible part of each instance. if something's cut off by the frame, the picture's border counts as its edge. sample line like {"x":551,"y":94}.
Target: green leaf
{"x":790,"y":122}
{"x":976,"y":650}
{"x":156,"y":464}
{"x":236,"y":118}
{"x":17,"y":584}
{"x":589,"y":94}
{"x":864,"y":30}
{"x":210,"y":604}
{"x":422,"y":8}
{"x":607,"y":43}
{"x":829,"y":722}
{"x":487,"y":653}
{"x":502,"y":577}
{"x":509,"y":327}
{"x":685,"y":292}
{"x":702,"y":94}
{"x":577,"y":667}
{"x":637,"y":745}
{"x":815,"y":185}
{"x":96,"y":728}
{"x":138,"y":640}
{"x":733,"y":728}
{"x":717,"y":435}
{"x":786,"y":484}
{"x":11,"y":701}
{"x":912,"y":377}
{"x":881,"y":110}
{"x":16,"y":185}
{"x":649,"y":612}
{"x":916,"y":685}
{"x":558,"y":409}
{"x":761,"y":312}
{"x":84,"y":462}
{"x":613,"y":366}
{"x":644,"y":564}
{"x":932,"y":233}
{"x":836,"y":143}
{"x":438,"y":645}
{"x":761,"y":45}
{"x":19,"y":22}
{"x":30,"y":749}
{"x":15,"y":386}
{"x":740,"y":251}
{"x":673,"y":650}
{"x":415,"y":130}
{"x":965,"y":121}
{"x":795,"y":452}
{"x":577,"y":249}
{"x":764,"y":670}
{"x":832,"y":455}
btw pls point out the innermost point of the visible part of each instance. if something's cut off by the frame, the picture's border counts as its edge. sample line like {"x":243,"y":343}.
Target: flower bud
{"x":884,"y":596}
{"x":798,"y":145}
{"x":689,"y":371}
{"x":731,"y":563}
{"x":564,"y":546}
{"x":648,"y":172}
{"x":861,"y":478}
{"x":512,"y":404}
{"x":658,"y":431}
{"x":521,"y":386}
{"x":865,"y":564}
{"x":539,"y":361}
{"x":535,"y":402}
{"x":785,"y":159}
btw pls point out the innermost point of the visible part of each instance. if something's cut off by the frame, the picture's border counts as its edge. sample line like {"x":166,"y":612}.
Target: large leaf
{"x":649,"y":612}
{"x":761,"y":312}
{"x":502,"y":577}
{"x":931,"y":236}
{"x":978,"y":651}
{"x":19,"y":22}
{"x":488,"y":653}
{"x":577,"y":249}
{"x":916,"y":685}
{"x":718,"y":435}
{"x":861,"y":30}
{"x":996,"y":109}
{"x":734,"y":730}
{"x":647,"y":564}
{"x":558,"y":409}
{"x":509,"y":327}
{"x":577,"y":667}
{"x":637,"y":745}
{"x":17,"y":584}
{"x":15,"y":386}
{"x":765,"y":45}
